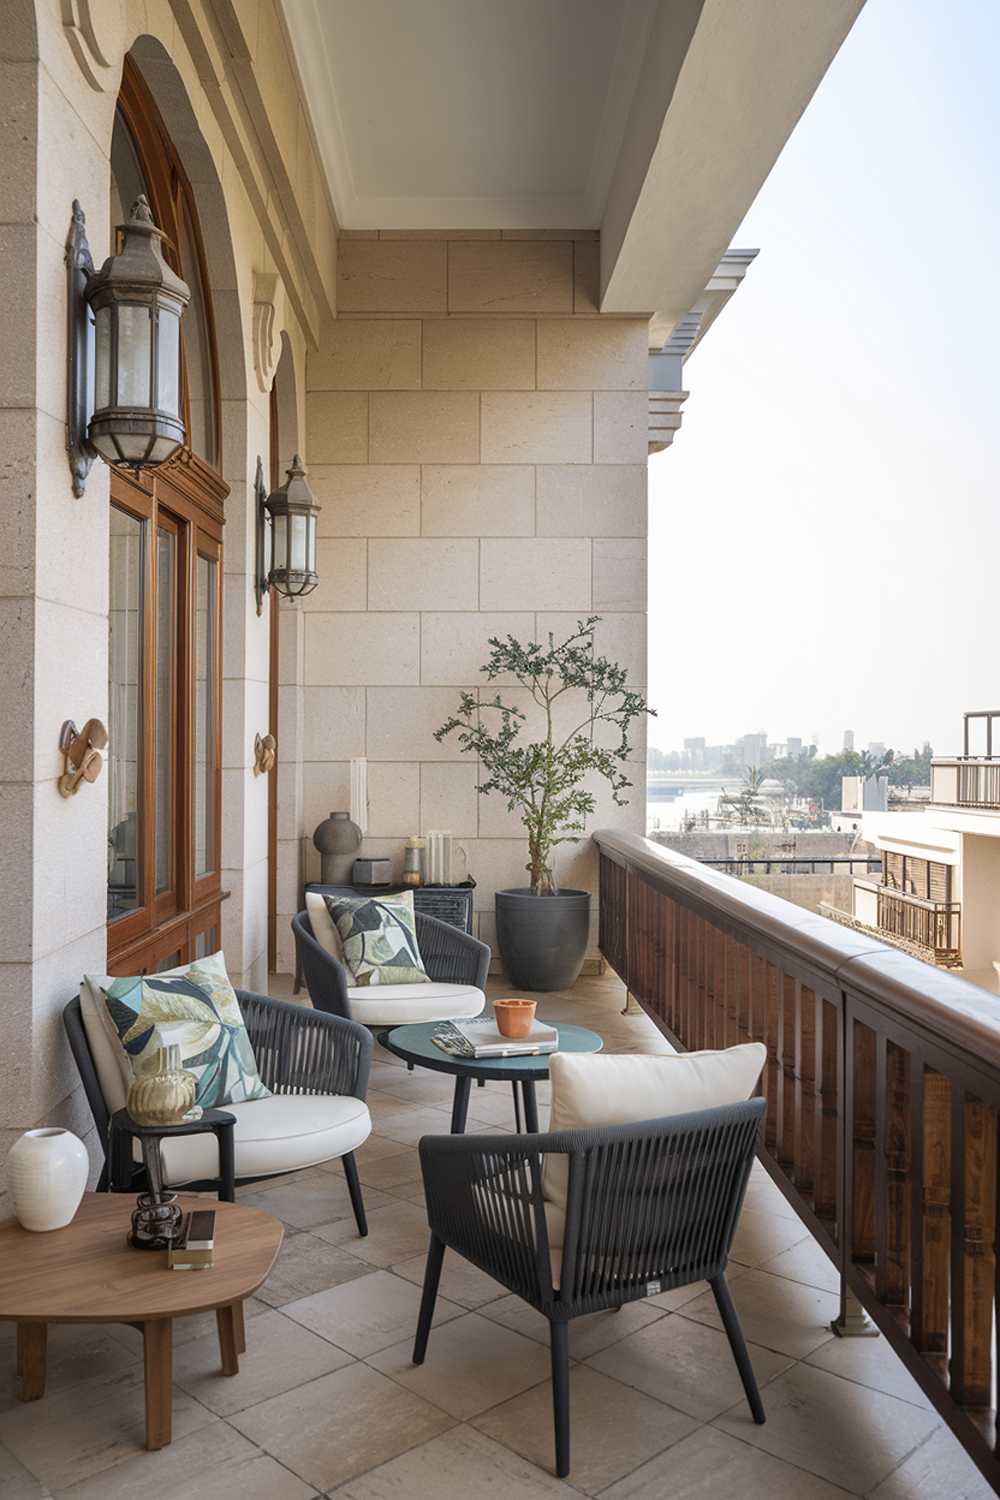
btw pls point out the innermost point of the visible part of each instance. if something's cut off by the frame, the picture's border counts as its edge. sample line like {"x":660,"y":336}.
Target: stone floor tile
{"x":492,"y":1107}
{"x":199,"y":1325}
{"x":280,"y":1354}
{"x":413,"y":1192}
{"x":409,"y":1125}
{"x":711,"y":1463}
{"x":807,"y":1262}
{"x":396,"y":1231}
{"x":75,"y":1353}
{"x":391,"y":1172}
{"x":364,"y":1316}
{"x":341,"y":1425}
{"x":845,"y":1433}
{"x":871,"y":1362}
{"x":216,"y":1463}
{"x":685,"y":1364}
{"x":471,"y":1365}
{"x":681,"y":1295}
{"x":307,"y":1264}
{"x":374,"y":1149}
{"x":15,"y":1481}
{"x":587,"y":1335}
{"x":938,"y":1470}
{"x":765,"y":1197}
{"x":612,"y":1429}
{"x":760,"y":1236}
{"x":382,"y":1106}
{"x":461,"y":1281}
{"x":420,"y":1088}
{"x":317,"y":1198}
{"x":777,"y":1314}
{"x":83,"y":1429}
{"x":455,"y":1466}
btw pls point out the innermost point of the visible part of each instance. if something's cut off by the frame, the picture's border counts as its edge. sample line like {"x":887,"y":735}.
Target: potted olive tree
{"x":586,"y":712}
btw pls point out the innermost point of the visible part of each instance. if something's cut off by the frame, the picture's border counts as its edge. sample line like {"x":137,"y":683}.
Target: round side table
{"x":161,"y":1224}
{"x":415,"y":1044}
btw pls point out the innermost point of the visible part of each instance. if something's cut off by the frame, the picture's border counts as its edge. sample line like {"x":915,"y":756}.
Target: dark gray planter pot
{"x":542,"y":939}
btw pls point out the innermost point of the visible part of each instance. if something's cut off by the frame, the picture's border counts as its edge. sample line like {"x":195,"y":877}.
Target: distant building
{"x":939,"y":889}
{"x":848,"y":739}
{"x":793,"y":747}
{"x":753,"y":748}
{"x":859,"y":795}
{"x":877,"y":750}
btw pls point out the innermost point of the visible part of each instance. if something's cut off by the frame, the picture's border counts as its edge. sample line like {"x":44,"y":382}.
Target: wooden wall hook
{"x":81,"y":752}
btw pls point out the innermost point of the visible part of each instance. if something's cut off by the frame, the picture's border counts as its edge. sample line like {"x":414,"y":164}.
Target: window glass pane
{"x":127,"y":181}
{"x":124,"y":712}
{"x":172,"y":961}
{"x":197,"y":348}
{"x":166,"y":637}
{"x":204,"y":717}
{"x":133,"y":354}
{"x":205,"y":943}
{"x":168,"y":395}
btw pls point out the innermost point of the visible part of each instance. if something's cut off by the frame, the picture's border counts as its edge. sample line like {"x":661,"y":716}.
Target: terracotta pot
{"x":514,"y":1018}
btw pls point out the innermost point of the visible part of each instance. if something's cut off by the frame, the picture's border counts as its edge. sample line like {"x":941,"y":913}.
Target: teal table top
{"x":414,"y":1044}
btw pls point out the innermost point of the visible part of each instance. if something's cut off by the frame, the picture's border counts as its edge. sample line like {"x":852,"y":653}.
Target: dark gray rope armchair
{"x":650,"y":1207}
{"x":298,"y":1051}
{"x":450,"y":957}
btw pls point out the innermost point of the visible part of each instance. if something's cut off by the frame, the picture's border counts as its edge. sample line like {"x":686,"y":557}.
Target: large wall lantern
{"x":286,"y":535}
{"x":124,"y":349}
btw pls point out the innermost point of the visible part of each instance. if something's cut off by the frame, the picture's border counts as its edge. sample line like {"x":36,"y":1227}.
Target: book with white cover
{"x":482,"y":1038}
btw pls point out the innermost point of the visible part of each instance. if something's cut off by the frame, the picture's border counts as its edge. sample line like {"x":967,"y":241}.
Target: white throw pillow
{"x":603,"y":1088}
{"x":323,"y":927}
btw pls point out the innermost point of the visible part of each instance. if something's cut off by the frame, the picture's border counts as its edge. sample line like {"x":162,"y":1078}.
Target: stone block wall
{"x":476,"y":436}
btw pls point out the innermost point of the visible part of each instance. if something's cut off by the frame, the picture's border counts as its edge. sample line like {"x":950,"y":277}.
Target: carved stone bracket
{"x":267,"y":298}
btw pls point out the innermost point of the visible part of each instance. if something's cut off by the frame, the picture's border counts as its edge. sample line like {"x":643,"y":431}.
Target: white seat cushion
{"x":271,"y":1136}
{"x":397,"y":1004}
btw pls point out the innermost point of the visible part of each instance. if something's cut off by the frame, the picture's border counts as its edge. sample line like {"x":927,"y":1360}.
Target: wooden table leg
{"x":157,"y":1343}
{"x":229,"y":1341}
{"x":241,"y":1328}
{"x":32,"y":1339}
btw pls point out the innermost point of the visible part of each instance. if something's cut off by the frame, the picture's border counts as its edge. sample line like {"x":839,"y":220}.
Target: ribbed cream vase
{"x":47,"y":1173}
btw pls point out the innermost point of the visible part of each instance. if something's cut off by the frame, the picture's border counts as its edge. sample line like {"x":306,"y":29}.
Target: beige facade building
{"x":431,"y":249}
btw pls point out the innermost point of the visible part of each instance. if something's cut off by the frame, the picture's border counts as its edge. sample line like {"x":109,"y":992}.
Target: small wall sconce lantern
{"x":124,"y":349}
{"x":286,"y":535}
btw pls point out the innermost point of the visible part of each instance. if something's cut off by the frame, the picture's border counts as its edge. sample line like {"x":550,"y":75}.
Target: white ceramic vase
{"x":47,"y":1173}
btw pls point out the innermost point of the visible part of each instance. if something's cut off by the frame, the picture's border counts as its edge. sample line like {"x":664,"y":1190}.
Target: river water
{"x":668,"y":813}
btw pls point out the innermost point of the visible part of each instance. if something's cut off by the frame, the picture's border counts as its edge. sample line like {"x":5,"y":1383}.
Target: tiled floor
{"x":327,"y":1400}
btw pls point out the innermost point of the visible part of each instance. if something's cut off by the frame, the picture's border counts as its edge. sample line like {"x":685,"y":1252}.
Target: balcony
{"x":972,"y":782}
{"x":883,"y":1103}
{"x":934,"y":926}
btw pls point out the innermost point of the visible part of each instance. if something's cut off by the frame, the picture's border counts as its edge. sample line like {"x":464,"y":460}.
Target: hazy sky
{"x":825,"y":530}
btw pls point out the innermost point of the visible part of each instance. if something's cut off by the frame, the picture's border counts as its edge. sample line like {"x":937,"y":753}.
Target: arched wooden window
{"x":165,"y":648}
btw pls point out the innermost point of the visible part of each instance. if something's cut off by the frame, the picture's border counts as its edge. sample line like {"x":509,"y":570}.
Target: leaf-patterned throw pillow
{"x":379,"y":937}
{"x":194,"y":1007}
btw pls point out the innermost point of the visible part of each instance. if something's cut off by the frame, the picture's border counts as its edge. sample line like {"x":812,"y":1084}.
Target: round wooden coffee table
{"x":86,"y":1273}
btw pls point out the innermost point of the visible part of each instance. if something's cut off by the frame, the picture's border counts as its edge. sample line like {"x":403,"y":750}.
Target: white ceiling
{"x":469,"y":114}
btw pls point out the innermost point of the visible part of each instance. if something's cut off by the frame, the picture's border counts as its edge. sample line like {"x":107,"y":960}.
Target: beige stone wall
{"x":477,"y":439}
{"x":224,"y":84}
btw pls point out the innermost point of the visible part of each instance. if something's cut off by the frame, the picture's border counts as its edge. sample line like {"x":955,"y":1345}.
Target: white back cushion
{"x":323,"y":928}
{"x":602,"y":1088}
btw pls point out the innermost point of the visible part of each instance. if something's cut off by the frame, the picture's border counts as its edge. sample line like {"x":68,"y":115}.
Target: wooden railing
{"x":935,"y":925}
{"x":883,"y":1098}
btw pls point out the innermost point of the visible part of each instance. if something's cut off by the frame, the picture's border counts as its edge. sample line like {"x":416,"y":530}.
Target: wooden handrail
{"x":883,"y":1098}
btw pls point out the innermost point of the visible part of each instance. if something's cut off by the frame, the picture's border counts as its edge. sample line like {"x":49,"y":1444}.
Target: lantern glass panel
{"x":133,"y":446}
{"x":298,"y":541}
{"x":102,"y":377}
{"x":168,"y":362}
{"x":133,"y":354}
{"x":279,"y":542}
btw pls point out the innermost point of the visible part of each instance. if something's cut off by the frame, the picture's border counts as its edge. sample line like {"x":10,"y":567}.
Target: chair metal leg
{"x":559,"y":1344}
{"x":354,"y":1188}
{"x":432,"y":1275}
{"x":731,"y":1323}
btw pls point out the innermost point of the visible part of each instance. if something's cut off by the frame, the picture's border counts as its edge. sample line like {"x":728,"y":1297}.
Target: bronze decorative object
{"x":81,"y":752}
{"x":164,"y":1094}
{"x":265,"y":754}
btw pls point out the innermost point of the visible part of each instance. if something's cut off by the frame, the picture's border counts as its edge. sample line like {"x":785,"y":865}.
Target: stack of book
{"x":481,"y":1039}
{"x":195,"y":1249}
